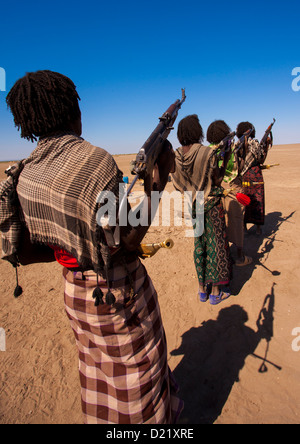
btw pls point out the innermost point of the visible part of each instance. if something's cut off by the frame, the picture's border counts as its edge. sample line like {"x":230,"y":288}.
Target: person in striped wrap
{"x":109,"y":298}
{"x":251,"y":173}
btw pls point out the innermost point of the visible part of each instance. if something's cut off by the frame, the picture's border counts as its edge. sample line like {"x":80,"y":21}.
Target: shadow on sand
{"x":253,"y":244}
{"x":213,"y":356}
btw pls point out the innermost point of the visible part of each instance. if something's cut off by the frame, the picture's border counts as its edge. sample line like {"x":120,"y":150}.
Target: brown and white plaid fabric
{"x":10,"y":214}
{"x":124,"y":374}
{"x":58,"y":190}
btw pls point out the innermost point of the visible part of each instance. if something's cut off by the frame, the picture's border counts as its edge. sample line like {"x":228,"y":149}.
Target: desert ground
{"x":235,"y":363}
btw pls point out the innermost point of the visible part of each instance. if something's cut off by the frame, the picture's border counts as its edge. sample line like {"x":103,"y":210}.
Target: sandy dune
{"x":216,"y":353}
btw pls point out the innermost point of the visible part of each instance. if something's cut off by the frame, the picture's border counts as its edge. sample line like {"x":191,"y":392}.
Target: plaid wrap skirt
{"x":124,"y":374}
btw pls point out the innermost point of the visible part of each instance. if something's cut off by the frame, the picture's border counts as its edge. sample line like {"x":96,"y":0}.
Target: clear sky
{"x":130,"y":59}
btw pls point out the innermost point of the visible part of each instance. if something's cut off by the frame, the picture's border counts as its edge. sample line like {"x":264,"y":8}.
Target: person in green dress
{"x":232,"y":183}
{"x":197,"y":169}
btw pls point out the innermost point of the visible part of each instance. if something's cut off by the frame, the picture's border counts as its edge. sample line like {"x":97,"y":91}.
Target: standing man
{"x":109,"y":297}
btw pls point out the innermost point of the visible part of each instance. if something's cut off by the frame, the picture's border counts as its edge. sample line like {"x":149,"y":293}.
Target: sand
{"x":215,"y":352}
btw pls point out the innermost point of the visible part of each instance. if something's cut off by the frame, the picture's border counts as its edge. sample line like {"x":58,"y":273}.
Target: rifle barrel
{"x":149,"y":152}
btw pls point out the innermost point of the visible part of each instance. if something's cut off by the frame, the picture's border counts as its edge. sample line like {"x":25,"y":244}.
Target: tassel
{"x":243,"y":199}
{"x":110,"y":298}
{"x":98,"y":294}
{"x":18,"y":290}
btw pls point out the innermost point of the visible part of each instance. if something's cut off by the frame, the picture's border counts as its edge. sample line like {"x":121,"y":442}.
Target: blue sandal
{"x":222,"y":296}
{"x":203,"y":296}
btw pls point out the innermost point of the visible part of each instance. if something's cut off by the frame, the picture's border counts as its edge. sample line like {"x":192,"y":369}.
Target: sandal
{"x":215,"y":300}
{"x":204,"y":296}
{"x":247,"y":261}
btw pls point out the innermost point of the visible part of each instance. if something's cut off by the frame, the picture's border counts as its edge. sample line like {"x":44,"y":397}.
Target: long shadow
{"x":252,"y":245}
{"x":213,"y":356}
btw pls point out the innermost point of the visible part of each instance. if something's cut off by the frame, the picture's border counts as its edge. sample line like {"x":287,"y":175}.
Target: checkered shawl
{"x":254,"y":155}
{"x":10,"y":215}
{"x":124,"y":374}
{"x":58,"y":190}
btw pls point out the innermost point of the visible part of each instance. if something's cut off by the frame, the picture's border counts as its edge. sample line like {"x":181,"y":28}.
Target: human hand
{"x":166,"y":159}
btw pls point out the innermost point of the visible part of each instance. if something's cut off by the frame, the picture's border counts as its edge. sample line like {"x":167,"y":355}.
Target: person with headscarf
{"x":234,"y":209}
{"x":251,"y":174}
{"x":197,"y":170}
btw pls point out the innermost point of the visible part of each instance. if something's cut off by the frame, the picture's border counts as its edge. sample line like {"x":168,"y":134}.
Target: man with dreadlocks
{"x":109,"y":297}
{"x":197,"y":170}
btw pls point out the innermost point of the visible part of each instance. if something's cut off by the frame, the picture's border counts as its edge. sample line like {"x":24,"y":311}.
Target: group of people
{"x":233,"y":186}
{"x":48,"y":213}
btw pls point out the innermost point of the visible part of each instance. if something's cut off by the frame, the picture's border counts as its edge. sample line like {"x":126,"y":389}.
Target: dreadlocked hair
{"x":243,"y":127}
{"x":43,"y":102}
{"x":190,"y":131}
{"x":216,"y":131}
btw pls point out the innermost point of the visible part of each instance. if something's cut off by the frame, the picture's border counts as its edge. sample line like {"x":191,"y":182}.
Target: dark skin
{"x":155,"y":181}
{"x":130,"y":237}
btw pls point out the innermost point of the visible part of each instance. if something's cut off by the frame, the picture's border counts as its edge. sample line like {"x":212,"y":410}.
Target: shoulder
{"x":100,"y":161}
{"x":90,"y":148}
{"x":253,"y":141}
{"x":94,"y":155}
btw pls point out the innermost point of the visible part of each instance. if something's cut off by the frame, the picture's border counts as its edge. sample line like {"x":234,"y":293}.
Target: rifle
{"x":242,"y":139}
{"x":225,"y":145}
{"x":144,"y":164}
{"x":265,"y":323}
{"x":268,"y":133}
{"x":148,"y":154}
